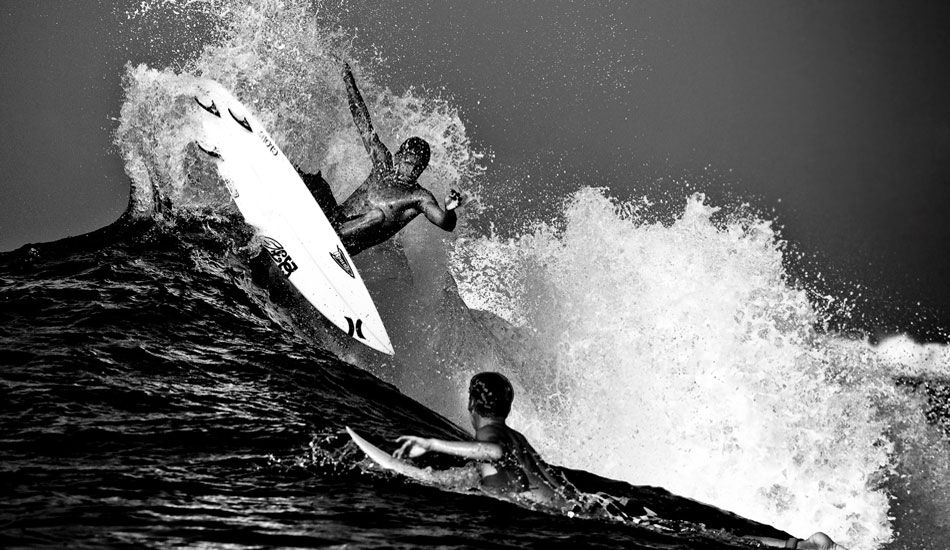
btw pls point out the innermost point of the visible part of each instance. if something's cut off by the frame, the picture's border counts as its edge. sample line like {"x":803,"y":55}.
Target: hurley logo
{"x":340,"y":258}
{"x":354,"y":328}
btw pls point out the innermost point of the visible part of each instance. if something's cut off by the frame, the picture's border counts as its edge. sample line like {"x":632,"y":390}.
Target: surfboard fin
{"x":213,"y":109}
{"x":242,"y":122}
{"x":212,"y":151}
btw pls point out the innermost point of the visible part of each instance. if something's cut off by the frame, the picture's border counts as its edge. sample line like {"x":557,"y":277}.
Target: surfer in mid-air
{"x":508,"y":464}
{"x":390,"y":197}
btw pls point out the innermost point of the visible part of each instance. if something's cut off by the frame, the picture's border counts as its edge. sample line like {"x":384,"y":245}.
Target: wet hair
{"x":416,"y":147}
{"x":490,"y":394}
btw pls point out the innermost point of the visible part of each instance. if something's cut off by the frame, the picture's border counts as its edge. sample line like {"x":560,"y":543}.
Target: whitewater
{"x":149,"y":375}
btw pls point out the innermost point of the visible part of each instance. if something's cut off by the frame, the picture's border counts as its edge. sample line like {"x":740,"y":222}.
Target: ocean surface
{"x":159,"y":389}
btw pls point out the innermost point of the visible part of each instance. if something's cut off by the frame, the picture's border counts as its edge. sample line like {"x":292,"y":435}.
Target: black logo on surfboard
{"x":267,"y":142}
{"x":280,"y":256}
{"x":340,"y":258}
{"x":355,"y":328}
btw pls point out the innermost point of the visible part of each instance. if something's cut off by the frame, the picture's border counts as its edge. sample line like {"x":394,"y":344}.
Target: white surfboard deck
{"x":388,"y":462}
{"x":294,"y":230}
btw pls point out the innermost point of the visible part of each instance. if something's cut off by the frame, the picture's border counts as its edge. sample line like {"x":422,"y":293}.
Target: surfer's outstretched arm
{"x":374,"y":146}
{"x":413,"y":446}
{"x":446,"y":219}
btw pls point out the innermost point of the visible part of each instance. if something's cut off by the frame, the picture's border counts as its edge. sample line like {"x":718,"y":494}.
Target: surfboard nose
{"x":375,"y":337}
{"x":383,"y":344}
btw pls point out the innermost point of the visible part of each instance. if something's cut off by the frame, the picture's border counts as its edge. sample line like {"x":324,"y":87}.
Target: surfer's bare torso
{"x":390,"y":197}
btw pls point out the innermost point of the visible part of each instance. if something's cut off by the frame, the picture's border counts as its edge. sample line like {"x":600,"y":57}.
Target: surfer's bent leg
{"x":320,"y":189}
{"x":360,"y":225}
{"x":360,"y":232}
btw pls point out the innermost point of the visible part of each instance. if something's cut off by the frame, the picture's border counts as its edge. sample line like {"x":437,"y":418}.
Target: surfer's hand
{"x":453,"y":200}
{"x":412,"y":446}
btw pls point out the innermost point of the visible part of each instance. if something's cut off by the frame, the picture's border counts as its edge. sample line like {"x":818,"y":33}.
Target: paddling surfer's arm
{"x":374,"y":146}
{"x":413,"y":446}
{"x":818,"y":541}
{"x":446,"y":219}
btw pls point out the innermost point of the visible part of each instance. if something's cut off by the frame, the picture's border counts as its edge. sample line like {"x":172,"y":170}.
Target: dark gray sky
{"x":836,"y":113}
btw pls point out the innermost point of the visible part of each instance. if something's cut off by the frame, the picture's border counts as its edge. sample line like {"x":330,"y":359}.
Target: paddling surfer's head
{"x":411,"y":159}
{"x":490,"y":395}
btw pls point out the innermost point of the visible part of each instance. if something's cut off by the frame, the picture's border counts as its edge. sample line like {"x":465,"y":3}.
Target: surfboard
{"x":462,"y":480}
{"x":293,"y":229}
{"x":387,"y":462}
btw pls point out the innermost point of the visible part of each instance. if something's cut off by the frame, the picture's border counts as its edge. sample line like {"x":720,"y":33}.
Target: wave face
{"x":153,"y":375}
{"x":679,"y":355}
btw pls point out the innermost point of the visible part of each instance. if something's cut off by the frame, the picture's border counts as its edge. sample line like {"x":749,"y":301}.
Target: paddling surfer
{"x":508,"y":464}
{"x":390,"y":197}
